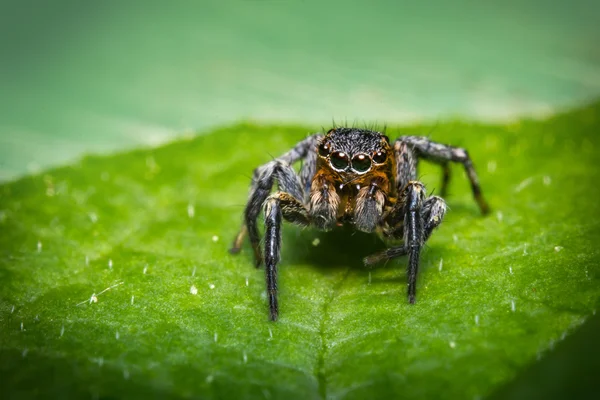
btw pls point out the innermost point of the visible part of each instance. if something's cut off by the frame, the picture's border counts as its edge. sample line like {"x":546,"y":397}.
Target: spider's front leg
{"x":279,"y":205}
{"x":287,"y":203}
{"x":413,"y":233}
{"x":264,"y":177}
{"x":420,"y":216}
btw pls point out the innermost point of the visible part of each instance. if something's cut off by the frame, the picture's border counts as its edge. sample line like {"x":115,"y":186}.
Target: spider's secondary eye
{"x":380,"y":157}
{"x":361,"y":163}
{"x":324,"y":150}
{"x":339,"y":160}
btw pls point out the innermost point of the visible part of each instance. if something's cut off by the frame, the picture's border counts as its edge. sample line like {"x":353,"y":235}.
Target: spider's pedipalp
{"x":369,"y":205}
{"x":434,"y":210}
{"x":323,"y":202}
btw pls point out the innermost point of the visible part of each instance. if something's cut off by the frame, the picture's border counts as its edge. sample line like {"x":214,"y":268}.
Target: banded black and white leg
{"x":287,"y":203}
{"x":418,"y":214}
{"x":444,"y":154}
{"x":421,"y":216}
{"x":276,"y":206}
{"x":264,"y":177}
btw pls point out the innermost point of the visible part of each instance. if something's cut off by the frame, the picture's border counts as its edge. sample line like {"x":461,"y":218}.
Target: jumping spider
{"x":352,"y":177}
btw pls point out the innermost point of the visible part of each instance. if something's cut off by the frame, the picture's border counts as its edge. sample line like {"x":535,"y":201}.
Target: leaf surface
{"x":116,"y":280}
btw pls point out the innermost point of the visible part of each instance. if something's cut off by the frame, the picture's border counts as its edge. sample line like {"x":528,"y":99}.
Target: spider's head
{"x":351,"y":151}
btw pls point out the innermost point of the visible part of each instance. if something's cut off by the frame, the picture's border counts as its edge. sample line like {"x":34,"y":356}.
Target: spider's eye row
{"x":361,"y":163}
{"x":380,"y":157}
{"x":339,"y":160}
{"x":324,"y":149}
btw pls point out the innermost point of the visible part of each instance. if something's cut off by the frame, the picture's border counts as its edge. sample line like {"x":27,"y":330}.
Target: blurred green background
{"x":83,"y":76}
{"x":96,"y":77}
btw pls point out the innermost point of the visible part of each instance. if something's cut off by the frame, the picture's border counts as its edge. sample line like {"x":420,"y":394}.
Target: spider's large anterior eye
{"x":380,"y":157}
{"x":339,"y":160}
{"x":361,"y":163}
{"x":324,"y":149}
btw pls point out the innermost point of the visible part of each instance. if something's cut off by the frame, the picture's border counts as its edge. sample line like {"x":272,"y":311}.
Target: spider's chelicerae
{"x":351,"y":177}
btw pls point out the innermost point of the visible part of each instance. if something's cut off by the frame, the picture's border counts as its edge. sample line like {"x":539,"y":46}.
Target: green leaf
{"x":116,"y":280}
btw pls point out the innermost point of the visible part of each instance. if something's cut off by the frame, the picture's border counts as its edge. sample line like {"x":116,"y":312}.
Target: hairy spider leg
{"x":413,"y":233}
{"x":442,"y":154}
{"x":418,"y":215}
{"x":289,"y":203}
{"x":434,"y":210}
{"x":406,"y":164}
{"x":261,"y":186}
{"x":309,"y":168}
{"x":277,"y":205}
{"x":287,"y":180}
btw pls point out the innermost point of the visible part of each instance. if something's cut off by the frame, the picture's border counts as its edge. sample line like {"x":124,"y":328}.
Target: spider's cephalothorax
{"x":351,"y":177}
{"x":355,"y":173}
